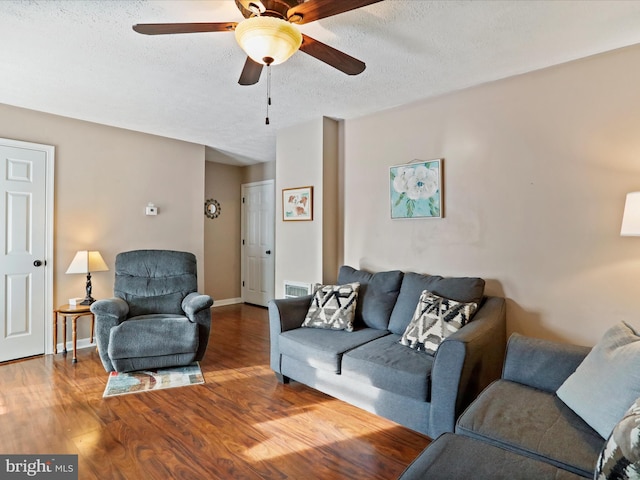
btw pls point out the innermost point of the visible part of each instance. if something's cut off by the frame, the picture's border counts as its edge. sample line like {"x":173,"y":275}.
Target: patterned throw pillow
{"x":620,"y":457}
{"x":434,"y":319}
{"x":333,"y":307}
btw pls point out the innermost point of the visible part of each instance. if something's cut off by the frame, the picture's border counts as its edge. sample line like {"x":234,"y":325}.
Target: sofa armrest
{"x":541,"y":364}
{"x":285,"y":314}
{"x":108,"y":313}
{"x":465,"y":363}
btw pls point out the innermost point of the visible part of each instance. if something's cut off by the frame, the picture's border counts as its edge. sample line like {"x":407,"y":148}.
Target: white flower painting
{"x":416,"y":190}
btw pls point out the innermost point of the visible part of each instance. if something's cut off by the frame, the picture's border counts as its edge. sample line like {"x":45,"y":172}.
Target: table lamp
{"x":87,"y":262}
{"x":631,"y":216}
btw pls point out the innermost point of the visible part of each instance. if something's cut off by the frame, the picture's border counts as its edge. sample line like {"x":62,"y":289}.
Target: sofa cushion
{"x":434,"y":320}
{"x":533,"y":422}
{"x":455,"y":457}
{"x":620,"y":457}
{"x":322,"y":348}
{"x":461,"y":289}
{"x":613,"y":365}
{"x":333,"y":307}
{"x":387,"y":365}
{"x":376,"y":297}
{"x":153,"y":335}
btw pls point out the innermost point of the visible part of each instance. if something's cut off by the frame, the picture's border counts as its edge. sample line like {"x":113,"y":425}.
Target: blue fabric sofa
{"x":518,"y":428}
{"x":369,"y":368}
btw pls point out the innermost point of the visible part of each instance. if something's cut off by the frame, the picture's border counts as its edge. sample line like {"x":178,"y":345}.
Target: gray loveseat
{"x":156,"y":318}
{"x":518,"y":428}
{"x":369,"y":368}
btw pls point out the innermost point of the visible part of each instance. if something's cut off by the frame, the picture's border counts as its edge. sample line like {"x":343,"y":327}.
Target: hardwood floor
{"x":241,"y":424}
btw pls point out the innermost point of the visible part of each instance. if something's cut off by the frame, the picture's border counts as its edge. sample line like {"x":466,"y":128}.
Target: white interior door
{"x":24,"y":247}
{"x":258,"y":256}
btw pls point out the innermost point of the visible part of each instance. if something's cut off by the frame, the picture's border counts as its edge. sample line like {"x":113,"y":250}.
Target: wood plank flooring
{"x":241,"y":424}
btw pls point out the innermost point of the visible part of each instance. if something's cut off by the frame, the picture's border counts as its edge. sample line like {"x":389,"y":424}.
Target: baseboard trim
{"x":80,"y":344}
{"x":226,"y":301}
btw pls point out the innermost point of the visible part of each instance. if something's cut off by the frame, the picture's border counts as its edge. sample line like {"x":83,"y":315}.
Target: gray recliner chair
{"x":156,"y":318}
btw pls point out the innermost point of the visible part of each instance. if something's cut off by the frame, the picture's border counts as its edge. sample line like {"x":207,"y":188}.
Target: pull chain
{"x":268,"y":92}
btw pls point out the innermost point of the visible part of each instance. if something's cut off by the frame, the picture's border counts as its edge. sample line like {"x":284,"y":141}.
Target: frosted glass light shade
{"x":631,"y":217}
{"x":266,"y":38}
{"x":86,"y":262}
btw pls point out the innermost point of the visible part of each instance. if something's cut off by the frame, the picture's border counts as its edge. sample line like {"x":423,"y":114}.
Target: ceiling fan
{"x":269,"y":36}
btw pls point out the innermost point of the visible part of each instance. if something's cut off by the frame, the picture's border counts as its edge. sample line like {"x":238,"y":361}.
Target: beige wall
{"x":104,"y":178}
{"x":259,"y":172}
{"x":308,"y":155}
{"x":536,"y":171}
{"x":222,"y":234}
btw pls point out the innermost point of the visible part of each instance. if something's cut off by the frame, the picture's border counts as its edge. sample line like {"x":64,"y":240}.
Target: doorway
{"x":257,"y":232}
{"x":26,"y":248}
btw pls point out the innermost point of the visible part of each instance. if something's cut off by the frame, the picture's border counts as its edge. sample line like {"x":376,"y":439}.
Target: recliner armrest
{"x":108,"y":312}
{"x":195,"y":302}
{"x":114,"y":307}
{"x":541,"y":364}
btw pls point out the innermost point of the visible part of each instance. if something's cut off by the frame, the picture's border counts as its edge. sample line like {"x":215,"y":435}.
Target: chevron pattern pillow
{"x":620,"y":457}
{"x":434,"y":319}
{"x":333,"y":307}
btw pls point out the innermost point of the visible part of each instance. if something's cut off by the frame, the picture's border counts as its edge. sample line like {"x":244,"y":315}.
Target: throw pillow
{"x":461,"y":289}
{"x":333,"y":307}
{"x":607,"y":381}
{"x":376,"y":297}
{"x":436,"y":318}
{"x":620,"y":457}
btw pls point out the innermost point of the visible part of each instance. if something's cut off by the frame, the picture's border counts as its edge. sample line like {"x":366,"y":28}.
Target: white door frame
{"x":49,"y":151}
{"x":243,"y":260}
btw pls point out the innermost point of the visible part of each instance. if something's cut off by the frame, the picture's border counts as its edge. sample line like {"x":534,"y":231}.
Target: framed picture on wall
{"x":297,"y":204}
{"x":415,"y":189}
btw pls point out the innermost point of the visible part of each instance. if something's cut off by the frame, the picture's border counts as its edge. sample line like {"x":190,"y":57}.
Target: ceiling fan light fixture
{"x":268,"y":40}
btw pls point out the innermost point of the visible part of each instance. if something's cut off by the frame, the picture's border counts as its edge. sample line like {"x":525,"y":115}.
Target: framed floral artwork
{"x":415,"y":189}
{"x":297,"y":204}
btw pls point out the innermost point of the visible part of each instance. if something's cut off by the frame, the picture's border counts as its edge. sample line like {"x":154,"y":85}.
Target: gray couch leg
{"x":282,"y":379}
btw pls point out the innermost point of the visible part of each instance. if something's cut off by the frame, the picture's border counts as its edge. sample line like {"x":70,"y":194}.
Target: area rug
{"x":149,"y":380}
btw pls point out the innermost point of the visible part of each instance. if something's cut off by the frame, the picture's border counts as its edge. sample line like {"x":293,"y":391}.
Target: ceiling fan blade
{"x":250,"y":73}
{"x":169,"y":28}
{"x":312,"y":10}
{"x":329,"y":55}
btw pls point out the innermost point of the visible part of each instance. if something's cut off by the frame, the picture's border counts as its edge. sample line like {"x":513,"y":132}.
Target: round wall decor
{"x":212,"y":208}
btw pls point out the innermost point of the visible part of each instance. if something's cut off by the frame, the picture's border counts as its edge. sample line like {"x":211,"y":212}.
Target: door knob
{"x":38,"y":263}
{"x":268,"y":252}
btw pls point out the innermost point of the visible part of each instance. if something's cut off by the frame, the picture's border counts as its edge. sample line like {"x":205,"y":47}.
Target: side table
{"x":75,"y":312}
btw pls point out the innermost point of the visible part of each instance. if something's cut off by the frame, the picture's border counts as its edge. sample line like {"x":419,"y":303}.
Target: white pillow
{"x":333,"y":307}
{"x":434,"y":319}
{"x":607,"y":381}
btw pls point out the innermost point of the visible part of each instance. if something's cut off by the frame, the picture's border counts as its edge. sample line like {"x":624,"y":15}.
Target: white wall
{"x":536,"y":171}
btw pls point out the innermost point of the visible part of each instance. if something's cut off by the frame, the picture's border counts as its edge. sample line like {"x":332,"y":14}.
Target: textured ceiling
{"x":81,"y":59}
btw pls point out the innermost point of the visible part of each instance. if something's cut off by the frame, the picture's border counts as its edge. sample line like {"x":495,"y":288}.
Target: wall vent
{"x":296,"y":289}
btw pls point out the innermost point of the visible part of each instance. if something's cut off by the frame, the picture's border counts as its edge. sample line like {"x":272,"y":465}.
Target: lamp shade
{"x":631,"y":217}
{"x":86,"y":262}
{"x":268,"y":40}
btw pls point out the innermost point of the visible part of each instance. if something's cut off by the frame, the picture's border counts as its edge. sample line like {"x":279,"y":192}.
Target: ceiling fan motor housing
{"x":272,"y":8}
